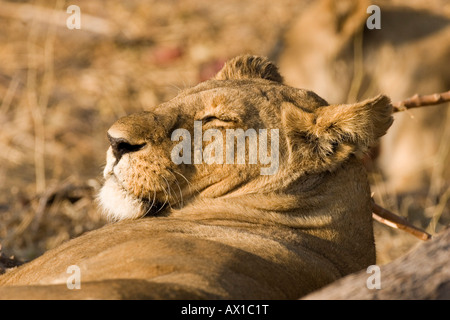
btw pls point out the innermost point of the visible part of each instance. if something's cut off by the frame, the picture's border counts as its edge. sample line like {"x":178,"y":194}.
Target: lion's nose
{"x":121,"y":146}
{"x":131,"y":133}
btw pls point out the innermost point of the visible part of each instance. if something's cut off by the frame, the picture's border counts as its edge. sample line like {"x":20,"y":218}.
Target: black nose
{"x":121,"y":146}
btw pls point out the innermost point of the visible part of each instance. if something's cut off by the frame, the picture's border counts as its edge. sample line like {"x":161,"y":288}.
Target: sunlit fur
{"x":226,"y":231}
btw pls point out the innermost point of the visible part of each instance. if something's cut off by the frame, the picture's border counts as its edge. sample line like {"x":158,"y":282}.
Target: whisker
{"x":188,"y":182}
{"x":152,"y":204}
{"x":181,"y":204}
{"x":168,"y":193}
{"x":164,"y":204}
{"x":154,"y":198}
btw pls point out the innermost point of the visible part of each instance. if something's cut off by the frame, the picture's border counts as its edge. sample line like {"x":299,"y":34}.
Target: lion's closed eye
{"x":215,"y":121}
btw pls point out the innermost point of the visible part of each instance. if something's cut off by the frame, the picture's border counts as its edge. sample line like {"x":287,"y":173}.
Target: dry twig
{"x":388,"y":218}
{"x":385,"y":216}
{"x":421,"y":101}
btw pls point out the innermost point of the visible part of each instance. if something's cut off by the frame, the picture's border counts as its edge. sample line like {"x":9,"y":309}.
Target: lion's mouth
{"x":152,"y":207}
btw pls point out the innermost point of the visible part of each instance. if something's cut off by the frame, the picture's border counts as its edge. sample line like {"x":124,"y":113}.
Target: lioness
{"x":220,"y":230}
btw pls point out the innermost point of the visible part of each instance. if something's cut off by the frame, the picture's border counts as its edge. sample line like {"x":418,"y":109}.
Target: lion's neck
{"x":308,"y":202}
{"x":330,"y":210}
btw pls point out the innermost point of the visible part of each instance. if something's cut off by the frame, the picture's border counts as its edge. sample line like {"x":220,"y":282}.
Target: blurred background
{"x":61,"y":89}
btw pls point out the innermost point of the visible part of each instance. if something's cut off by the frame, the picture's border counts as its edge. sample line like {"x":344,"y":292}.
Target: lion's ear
{"x":322,"y":139}
{"x":249,"y":67}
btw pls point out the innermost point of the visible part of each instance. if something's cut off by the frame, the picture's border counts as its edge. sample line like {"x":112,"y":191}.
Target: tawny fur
{"x":226,"y":231}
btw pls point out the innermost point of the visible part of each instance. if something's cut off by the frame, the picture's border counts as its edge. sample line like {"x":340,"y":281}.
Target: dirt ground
{"x":61,"y":89}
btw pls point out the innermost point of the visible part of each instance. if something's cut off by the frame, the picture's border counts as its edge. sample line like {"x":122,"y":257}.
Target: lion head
{"x":178,"y":153}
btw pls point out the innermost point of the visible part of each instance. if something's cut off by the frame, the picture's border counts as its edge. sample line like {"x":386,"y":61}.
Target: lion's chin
{"x":118,"y":204}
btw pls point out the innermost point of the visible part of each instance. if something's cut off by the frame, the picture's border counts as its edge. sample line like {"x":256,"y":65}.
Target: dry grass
{"x":61,"y":89}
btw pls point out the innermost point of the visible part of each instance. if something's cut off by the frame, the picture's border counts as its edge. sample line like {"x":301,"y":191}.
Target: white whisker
{"x":180,"y":203}
{"x":188,"y":182}
{"x":168,"y":193}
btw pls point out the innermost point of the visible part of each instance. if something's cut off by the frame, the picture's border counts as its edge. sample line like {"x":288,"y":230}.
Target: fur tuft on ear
{"x":249,"y":67}
{"x":322,"y":139}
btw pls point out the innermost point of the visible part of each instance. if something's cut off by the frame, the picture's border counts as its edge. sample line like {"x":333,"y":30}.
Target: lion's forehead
{"x":240,"y":96}
{"x":245,"y":98}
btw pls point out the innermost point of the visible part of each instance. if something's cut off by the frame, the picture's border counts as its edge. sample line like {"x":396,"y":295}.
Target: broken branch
{"x":385,"y":216}
{"x":391,"y":219}
{"x":420,"y":101}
